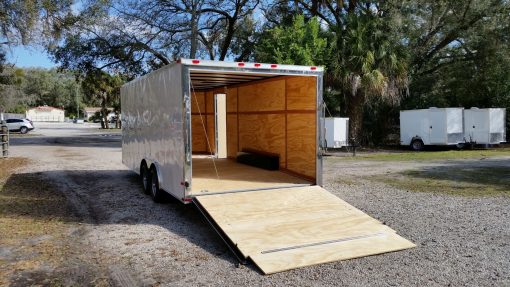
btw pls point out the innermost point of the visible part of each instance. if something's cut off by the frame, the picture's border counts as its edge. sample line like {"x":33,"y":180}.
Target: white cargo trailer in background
{"x":186,"y":126}
{"x":337,"y":132}
{"x":433,"y":126}
{"x":485,"y":126}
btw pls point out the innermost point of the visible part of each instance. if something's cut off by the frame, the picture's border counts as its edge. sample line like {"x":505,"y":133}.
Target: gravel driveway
{"x":460,"y":241}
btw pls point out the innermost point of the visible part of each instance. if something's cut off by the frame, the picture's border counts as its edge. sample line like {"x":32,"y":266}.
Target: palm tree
{"x":370,"y":67}
{"x":369,"y":64}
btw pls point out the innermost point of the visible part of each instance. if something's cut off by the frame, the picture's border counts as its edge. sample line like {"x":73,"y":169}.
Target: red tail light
{"x":313,"y":68}
{"x":240,"y":64}
{"x":256,"y":65}
{"x":195,"y":61}
{"x":274,"y":66}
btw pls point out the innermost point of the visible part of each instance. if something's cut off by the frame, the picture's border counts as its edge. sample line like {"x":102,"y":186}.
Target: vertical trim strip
{"x":320,"y":131}
{"x":286,"y":126}
{"x":187,"y":129}
{"x":237,"y":116}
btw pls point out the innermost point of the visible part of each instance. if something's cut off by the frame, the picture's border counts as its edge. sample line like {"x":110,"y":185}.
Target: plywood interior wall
{"x":232,"y":143}
{"x":202,"y":116}
{"x":276,"y":116}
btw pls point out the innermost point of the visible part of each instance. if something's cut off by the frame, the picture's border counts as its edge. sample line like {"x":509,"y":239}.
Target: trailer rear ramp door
{"x":287,"y":228}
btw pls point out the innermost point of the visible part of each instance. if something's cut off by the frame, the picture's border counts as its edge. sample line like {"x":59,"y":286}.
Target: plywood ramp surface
{"x":282,"y":229}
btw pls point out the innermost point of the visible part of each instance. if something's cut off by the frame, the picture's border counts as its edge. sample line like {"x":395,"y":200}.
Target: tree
{"x":29,"y":21}
{"x":23,"y":88}
{"x":35,"y":22}
{"x":301,"y":43}
{"x":137,"y":36}
{"x":460,"y":53}
{"x":12,"y":96}
{"x":369,"y":63}
{"x":104,"y":88}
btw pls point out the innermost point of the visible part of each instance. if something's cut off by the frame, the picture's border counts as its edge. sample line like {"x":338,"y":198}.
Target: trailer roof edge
{"x":241,"y":65}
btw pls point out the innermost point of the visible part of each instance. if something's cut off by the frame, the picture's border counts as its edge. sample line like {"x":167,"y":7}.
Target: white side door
{"x":220,"y":107}
{"x":437,"y":127}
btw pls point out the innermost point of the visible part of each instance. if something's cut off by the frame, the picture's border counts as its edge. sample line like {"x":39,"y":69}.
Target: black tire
{"x":157,"y":194}
{"x":23,"y":130}
{"x":417,"y":145}
{"x":145,"y":178}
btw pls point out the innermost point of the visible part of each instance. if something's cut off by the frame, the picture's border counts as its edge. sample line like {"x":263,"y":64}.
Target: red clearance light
{"x":313,"y":68}
{"x":195,"y":61}
{"x":274,"y":66}
{"x":256,"y":65}
{"x":187,"y":199}
{"x":240,"y":64}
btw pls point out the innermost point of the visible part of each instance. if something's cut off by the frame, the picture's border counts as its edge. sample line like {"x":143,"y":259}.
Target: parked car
{"x":19,"y":125}
{"x":78,"y":121}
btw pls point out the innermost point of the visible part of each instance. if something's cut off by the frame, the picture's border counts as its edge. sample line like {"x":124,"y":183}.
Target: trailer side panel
{"x":153,"y":126}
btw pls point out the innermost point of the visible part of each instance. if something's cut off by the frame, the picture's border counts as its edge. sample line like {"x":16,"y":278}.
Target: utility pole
{"x":77,"y":103}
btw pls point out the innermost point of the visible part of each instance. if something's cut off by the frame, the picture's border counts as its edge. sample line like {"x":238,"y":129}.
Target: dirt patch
{"x":39,"y":244}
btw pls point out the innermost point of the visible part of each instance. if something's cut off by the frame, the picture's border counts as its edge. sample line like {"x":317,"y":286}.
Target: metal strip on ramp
{"x":283,"y":229}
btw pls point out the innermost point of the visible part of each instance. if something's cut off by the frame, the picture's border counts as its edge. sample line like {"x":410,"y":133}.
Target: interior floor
{"x":233,"y":176}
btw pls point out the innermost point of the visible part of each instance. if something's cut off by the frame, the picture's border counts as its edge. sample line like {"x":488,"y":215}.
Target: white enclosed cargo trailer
{"x":185,"y":125}
{"x":433,"y":126}
{"x":337,"y":132}
{"x":485,"y":126}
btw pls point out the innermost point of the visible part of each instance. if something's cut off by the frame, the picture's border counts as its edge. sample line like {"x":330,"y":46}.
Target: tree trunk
{"x":117,"y":120}
{"x":194,"y":30}
{"x":104,"y":113}
{"x":355,"y":112}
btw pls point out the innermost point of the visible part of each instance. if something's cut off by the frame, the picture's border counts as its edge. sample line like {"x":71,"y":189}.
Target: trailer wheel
{"x":156,"y":193}
{"x":417,"y":145}
{"x":145,"y":177}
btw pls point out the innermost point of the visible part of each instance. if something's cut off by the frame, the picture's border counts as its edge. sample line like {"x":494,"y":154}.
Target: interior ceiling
{"x":204,"y":80}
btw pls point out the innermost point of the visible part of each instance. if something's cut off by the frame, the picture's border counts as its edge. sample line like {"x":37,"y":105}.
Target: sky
{"x":35,"y":56}
{"x":29,"y":57}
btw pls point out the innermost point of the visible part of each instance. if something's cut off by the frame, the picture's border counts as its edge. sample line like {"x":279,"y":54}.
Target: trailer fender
{"x":416,"y":138}
{"x":157,"y":166}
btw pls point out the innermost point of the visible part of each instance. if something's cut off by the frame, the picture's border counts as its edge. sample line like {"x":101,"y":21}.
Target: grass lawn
{"x":476,"y":181}
{"x":429,"y":155}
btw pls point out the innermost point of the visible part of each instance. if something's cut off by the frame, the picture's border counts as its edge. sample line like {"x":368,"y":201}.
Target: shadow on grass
{"x":489,"y":179}
{"x":106,"y":197}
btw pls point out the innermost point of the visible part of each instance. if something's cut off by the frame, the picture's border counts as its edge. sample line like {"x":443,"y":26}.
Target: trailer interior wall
{"x":275,"y":116}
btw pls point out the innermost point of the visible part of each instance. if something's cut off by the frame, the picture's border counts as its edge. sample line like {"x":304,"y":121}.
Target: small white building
{"x":88,"y":112}
{"x":45,"y":114}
